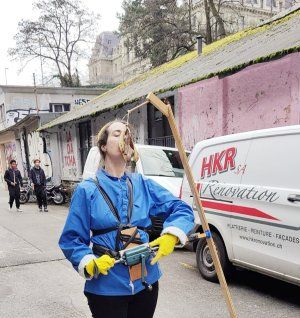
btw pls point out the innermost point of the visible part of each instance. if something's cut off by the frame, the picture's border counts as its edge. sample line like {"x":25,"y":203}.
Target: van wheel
{"x":205,"y":262}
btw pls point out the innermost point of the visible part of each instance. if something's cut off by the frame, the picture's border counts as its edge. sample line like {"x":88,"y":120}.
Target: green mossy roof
{"x":275,"y":38}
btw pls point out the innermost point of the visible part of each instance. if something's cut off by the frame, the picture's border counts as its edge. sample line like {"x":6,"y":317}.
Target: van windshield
{"x":161,"y":162}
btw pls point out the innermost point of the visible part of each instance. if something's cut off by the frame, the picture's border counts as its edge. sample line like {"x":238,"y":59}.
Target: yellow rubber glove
{"x":103,"y":263}
{"x":166,"y":245}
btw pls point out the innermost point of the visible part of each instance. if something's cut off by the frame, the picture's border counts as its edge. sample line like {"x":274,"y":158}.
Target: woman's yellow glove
{"x":100,"y":265}
{"x":166,"y":245}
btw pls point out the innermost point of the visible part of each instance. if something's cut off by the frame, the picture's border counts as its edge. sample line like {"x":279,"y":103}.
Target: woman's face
{"x":112,"y":146}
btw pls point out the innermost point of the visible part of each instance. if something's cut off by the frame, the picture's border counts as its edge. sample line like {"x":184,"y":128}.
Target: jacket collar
{"x":101,"y":172}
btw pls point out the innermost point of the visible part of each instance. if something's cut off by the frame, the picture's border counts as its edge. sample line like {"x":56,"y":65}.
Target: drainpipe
{"x":26,"y":149}
{"x":199,"y":44}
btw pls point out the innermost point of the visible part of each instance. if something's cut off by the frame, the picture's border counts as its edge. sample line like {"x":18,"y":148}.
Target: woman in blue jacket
{"x":106,"y":205}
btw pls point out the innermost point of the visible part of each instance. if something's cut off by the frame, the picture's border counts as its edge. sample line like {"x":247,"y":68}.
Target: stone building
{"x":111,"y":62}
{"x":238,"y":15}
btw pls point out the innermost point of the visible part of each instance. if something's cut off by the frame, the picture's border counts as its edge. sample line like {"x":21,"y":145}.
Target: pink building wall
{"x":260,"y":96}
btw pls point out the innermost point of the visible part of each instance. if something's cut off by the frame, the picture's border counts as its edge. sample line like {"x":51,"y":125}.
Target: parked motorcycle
{"x":55,"y":194}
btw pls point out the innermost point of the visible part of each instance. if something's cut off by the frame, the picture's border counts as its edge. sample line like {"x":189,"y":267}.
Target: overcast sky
{"x":14,"y":10}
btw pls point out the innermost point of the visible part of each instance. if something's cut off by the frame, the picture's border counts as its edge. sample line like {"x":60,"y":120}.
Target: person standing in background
{"x":38,"y":183}
{"x":14,"y":180}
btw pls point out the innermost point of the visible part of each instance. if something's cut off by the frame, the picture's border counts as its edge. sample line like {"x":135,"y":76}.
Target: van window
{"x":274,"y":161}
{"x":161,"y":162}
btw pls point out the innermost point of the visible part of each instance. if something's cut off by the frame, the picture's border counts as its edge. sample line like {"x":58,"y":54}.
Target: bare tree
{"x":219,"y":21}
{"x":208,"y":35}
{"x":58,"y":37}
{"x":218,"y":18}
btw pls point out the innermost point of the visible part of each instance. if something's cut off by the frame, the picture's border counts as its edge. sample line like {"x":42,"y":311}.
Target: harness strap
{"x":135,"y":240}
{"x":131,"y":238}
{"x":114,"y":228}
{"x":104,"y":231}
{"x":130,"y":203}
{"x":108,"y":200}
{"x":100,"y":250}
{"x":114,"y":211}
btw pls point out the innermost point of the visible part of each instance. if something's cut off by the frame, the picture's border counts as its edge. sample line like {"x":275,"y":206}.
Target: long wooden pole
{"x":167,"y":111}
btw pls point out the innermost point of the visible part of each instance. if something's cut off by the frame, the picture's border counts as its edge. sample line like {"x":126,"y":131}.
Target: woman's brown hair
{"x":102,"y":135}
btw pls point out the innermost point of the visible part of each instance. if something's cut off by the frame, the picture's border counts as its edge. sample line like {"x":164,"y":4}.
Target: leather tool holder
{"x":135,"y":271}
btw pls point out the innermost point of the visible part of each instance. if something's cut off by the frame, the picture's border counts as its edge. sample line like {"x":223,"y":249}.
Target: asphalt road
{"x":37,"y":282}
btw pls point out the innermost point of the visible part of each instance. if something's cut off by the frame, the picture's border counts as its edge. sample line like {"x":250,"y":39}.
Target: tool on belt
{"x":138,"y":255}
{"x":129,"y":249}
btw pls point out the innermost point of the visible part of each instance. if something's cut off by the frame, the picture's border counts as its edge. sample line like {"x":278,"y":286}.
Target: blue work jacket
{"x":89,"y":211}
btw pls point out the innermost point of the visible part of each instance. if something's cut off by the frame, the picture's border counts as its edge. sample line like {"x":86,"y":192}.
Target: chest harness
{"x":132,"y":256}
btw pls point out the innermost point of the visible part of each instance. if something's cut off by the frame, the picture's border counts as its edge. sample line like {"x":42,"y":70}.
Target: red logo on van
{"x":218,"y":162}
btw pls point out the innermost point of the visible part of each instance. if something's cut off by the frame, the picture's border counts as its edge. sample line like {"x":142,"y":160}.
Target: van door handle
{"x":294,"y":198}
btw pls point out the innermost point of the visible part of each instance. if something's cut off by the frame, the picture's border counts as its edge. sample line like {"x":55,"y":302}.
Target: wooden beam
{"x":155,"y":101}
{"x":167,"y":111}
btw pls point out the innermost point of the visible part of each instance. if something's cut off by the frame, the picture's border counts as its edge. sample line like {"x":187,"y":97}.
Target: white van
{"x":249,"y":184}
{"x":162,"y":164}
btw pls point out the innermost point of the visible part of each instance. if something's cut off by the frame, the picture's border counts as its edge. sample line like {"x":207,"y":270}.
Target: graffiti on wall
{"x":69,"y":158}
{"x":36,"y":150}
{"x":81,"y":101}
{"x":2,"y":163}
{"x":15,"y":115}
{"x":10,"y":150}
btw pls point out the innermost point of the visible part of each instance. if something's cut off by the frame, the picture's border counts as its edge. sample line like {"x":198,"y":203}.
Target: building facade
{"x":16,"y":102}
{"x":23,"y":111}
{"x":111,"y":61}
{"x":238,"y":15}
{"x":70,"y":143}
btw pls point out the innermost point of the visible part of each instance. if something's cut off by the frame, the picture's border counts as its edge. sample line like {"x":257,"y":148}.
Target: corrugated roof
{"x":276,"y":37}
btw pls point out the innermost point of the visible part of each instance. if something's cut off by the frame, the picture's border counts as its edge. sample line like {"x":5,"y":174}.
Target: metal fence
{"x":166,"y":141}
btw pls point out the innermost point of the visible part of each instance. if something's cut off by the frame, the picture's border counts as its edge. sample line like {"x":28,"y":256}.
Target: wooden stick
{"x":167,"y":111}
{"x":138,"y":106}
{"x":133,"y":109}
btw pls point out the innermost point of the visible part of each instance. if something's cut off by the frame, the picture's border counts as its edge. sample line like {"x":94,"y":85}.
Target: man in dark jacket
{"x":14,"y":180}
{"x":38,"y":183}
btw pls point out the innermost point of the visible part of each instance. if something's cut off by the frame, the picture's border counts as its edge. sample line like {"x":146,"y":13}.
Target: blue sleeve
{"x":75,"y":238}
{"x":177,"y":213}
